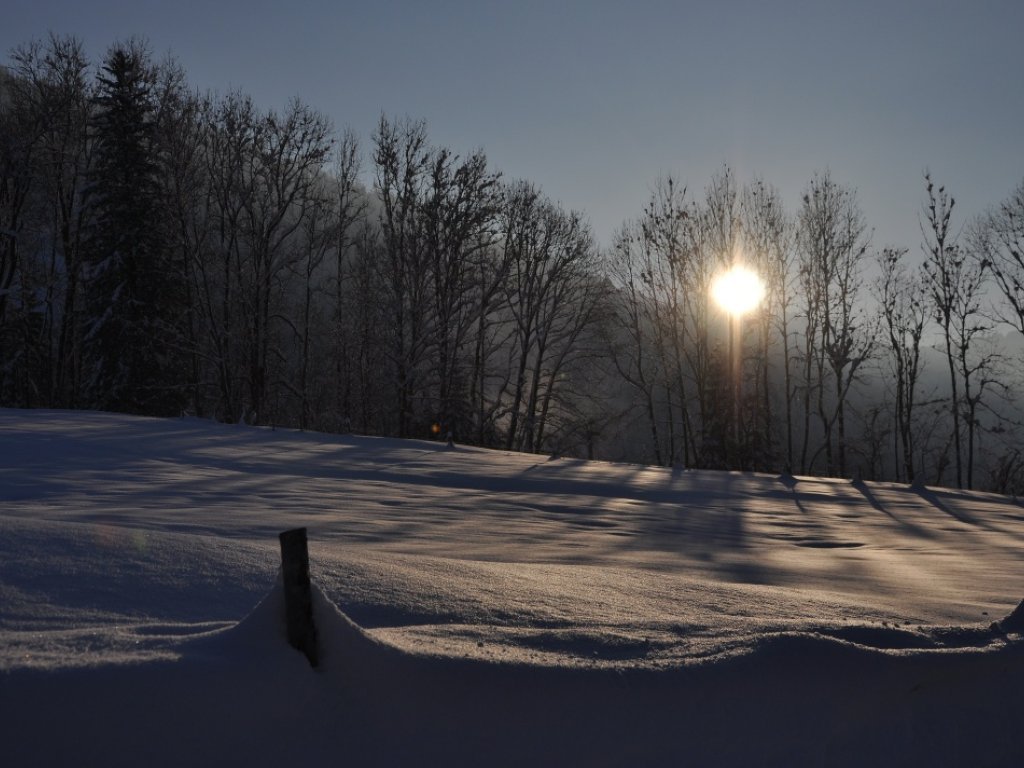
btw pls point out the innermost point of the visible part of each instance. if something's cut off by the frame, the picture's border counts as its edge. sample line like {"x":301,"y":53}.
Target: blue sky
{"x":595,"y":100}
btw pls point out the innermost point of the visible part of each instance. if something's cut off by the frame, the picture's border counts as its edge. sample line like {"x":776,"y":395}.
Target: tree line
{"x":164,"y":251}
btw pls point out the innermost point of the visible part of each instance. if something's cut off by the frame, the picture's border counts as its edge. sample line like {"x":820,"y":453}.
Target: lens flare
{"x":737,"y":291}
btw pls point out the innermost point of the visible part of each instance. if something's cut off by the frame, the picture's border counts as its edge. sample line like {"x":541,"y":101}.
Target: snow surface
{"x":486,"y":608}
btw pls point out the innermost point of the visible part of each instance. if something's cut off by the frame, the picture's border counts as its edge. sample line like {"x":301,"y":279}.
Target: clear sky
{"x":595,"y":100}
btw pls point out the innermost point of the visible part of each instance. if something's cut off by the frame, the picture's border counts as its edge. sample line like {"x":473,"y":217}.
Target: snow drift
{"x":511,"y":610}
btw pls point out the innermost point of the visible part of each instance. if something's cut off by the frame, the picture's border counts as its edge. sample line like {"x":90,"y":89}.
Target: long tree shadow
{"x":869,"y":496}
{"x":790,"y":483}
{"x":700,"y":517}
{"x":936,"y":501}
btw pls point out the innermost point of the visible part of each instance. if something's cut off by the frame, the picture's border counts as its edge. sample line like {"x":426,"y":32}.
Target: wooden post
{"x":298,"y":599}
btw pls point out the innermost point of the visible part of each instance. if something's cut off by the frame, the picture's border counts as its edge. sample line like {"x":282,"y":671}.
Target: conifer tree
{"x":134,"y":297}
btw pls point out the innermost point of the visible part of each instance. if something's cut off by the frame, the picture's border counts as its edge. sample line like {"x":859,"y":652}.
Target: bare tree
{"x":19,"y":132}
{"x":402,"y":161}
{"x":351,"y":206}
{"x":998,"y":240}
{"x":183,"y":127}
{"x":459,"y":219}
{"x":289,"y":151}
{"x":767,"y":237}
{"x":491,"y":334}
{"x":716,"y":239}
{"x":944,"y":266}
{"x":439,"y":221}
{"x":550,"y":295}
{"x":15,"y":181}
{"x":832,"y":239}
{"x":45,"y":117}
{"x":318,"y":235}
{"x":637,"y":313}
{"x":902,"y":297}
{"x":219,"y":256}
{"x":666,"y":347}
{"x":673,"y":267}
{"x":576,"y":308}
{"x":367,"y":320}
{"x":956,"y":281}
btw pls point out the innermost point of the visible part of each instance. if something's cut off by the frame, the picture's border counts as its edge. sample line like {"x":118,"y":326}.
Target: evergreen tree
{"x":135,"y":296}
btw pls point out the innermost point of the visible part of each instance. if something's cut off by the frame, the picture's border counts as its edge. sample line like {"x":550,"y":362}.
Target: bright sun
{"x":738,"y":290}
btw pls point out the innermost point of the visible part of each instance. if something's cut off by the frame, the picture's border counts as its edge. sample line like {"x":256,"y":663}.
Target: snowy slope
{"x":508,"y":609}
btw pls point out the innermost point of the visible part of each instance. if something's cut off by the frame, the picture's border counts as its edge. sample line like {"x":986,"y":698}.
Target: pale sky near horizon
{"x":593,"y":101}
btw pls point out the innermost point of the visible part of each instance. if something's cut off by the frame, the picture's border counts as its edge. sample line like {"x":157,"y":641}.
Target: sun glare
{"x":738,"y":290}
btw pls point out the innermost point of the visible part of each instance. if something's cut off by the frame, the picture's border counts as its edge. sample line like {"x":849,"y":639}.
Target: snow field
{"x":478,"y":607}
